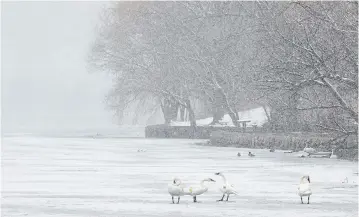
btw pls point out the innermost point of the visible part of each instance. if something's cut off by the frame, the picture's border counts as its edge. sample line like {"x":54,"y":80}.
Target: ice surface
{"x":108,"y":177}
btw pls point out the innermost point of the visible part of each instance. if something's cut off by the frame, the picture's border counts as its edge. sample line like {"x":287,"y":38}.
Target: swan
{"x":198,"y":189}
{"x":250,"y":154}
{"x":304,"y":188}
{"x":302,"y":154}
{"x":175,"y":189}
{"x":239,"y":154}
{"x":309,"y":150}
{"x":226,"y":189}
{"x":333,"y":156}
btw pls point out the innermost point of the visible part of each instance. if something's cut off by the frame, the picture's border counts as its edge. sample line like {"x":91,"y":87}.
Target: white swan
{"x":304,"y":188}
{"x":175,"y":189}
{"x":309,"y":150}
{"x":226,"y":189}
{"x":198,"y":189}
{"x":250,"y":154}
{"x":333,"y":156}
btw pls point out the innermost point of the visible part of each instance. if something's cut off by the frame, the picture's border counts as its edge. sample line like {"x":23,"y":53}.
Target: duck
{"x":309,"y":150}
{"x":141,"y":150}
{"x":226,"y":189}
{"x":196,"y":190}
{"x":239,"y":154}
{"x":304,"y":189}
{"x":175,"y":189}
{"x":333,"y":156}
{"x":250,"y":154}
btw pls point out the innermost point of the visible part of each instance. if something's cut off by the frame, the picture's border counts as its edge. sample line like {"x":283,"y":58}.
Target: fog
{"x":45,"y":85}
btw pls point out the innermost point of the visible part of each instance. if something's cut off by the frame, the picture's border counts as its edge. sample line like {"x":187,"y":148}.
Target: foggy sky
{"x":45,"y":85}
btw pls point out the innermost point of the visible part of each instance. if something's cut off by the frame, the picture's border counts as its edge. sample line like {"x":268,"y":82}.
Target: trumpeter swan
{"x":226,"y":189}
{"x":304,"y":188}
{"x":250,"y":154}
{"x":309,"y":150}
{"x":175,"y":189}
{"x":333,"y":156}
{"x":198,"y":189}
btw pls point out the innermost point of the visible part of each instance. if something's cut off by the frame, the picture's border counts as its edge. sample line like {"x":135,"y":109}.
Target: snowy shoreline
{"x":108,"y":177}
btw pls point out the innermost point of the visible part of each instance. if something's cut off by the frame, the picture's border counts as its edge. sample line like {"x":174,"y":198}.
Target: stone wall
{"x":201,"y":132}
{"x":345,"y":149}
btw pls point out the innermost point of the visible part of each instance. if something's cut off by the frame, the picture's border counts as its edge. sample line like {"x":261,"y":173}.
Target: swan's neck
{"x":332,"y":152}
{"x":224,"y":178}
{"x":304,"y":181}
{"x":202,"y":183}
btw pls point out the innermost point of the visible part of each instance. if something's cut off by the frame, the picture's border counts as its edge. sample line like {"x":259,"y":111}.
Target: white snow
{"x":257,"y":117}
{"x":108,"y":177}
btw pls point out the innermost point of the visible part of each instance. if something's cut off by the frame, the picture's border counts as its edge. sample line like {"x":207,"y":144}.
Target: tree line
{"x":299,"y":60}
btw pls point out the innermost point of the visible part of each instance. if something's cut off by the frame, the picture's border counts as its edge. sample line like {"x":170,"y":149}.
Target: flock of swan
{"x":176,"y":189}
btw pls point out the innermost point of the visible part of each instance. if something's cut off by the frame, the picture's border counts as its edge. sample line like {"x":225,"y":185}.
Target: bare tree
{"x":312,"y":49}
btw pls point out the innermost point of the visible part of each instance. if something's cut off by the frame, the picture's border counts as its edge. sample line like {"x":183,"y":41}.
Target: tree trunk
{"x":182,"y":113}
{"x":191,"y":114}
{"x":231,"y":113}
{"x":169,"y":110}
{"x":267,"y":113}
{"x":217,"y":113}
{"x":224,"y":101}
{"x":192,"y":119}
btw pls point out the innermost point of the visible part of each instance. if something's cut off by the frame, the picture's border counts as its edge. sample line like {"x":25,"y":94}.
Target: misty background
{"x":45,"y":84}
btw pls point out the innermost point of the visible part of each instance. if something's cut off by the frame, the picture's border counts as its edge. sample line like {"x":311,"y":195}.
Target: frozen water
{"x":109,"y":177}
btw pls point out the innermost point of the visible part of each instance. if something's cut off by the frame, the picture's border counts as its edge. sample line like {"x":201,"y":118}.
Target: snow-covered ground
{"x":256,"y":116}
{"x":88,"y":177}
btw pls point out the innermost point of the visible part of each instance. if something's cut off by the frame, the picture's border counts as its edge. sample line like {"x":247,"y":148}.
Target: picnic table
{"x":243,"y":123}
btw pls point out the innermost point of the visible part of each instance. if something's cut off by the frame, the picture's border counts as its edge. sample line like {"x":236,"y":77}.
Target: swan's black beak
{"x":212,"y":180}
{"x":308,"y":179}
{"x":216,"y":174}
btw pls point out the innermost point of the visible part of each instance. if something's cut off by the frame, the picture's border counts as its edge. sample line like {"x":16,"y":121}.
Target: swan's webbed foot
{"x":308,"y":199}
{"x":222,"y":198}
{"x":178,"y":200}
{"x":194,"y":199}
{"x":173,"y":200}
{"x":301,"y":199}
{"x":227,"y":197}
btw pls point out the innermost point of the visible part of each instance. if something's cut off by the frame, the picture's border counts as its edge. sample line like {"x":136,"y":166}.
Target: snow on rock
{"x":257,"y":117}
